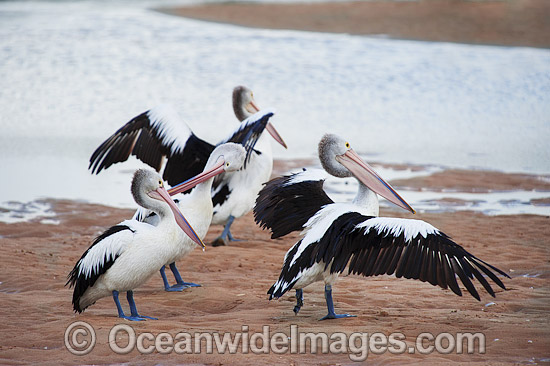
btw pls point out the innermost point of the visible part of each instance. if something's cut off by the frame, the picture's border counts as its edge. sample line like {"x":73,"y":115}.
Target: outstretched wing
{"x":185,"y":165}
{"x":286,"y":203}
{"x":153,"y":136}
{"x":412,"y":249}
{"x":249,"y":131}
{"x":407,"y":248}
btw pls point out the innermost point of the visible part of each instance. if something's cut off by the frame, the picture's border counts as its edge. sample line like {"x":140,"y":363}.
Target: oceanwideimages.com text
{"x":80,"y":339}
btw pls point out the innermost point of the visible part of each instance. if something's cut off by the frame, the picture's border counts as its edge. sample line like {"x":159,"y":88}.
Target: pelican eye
{"x":348,"y":145}
{"x":227,"y":164}
{"x":160,"y":183}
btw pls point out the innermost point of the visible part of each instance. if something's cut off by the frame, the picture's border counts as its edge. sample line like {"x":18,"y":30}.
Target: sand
{"x":36,"y":257}
{"x":36,"y":306}
{"x":507,"y":23}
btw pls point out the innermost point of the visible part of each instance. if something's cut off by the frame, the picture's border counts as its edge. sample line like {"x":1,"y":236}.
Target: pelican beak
{"x":273,"y":132}
{"x":366,"y":174}
{"x":252,"y":107}
{"x":199,"y":178}
{"x":162,"y":194}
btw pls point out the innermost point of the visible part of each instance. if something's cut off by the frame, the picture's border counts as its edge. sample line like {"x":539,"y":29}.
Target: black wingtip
{"x":77,"y":309}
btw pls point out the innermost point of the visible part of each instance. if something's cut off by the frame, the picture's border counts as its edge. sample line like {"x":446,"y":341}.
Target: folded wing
{"x":286,"y":203}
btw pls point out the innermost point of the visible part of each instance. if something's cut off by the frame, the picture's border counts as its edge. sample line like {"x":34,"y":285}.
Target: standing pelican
{"x":197,"y":205}
{"x":160,"y":135}
{"x":340,"y":235}
{"x":127,"y":254}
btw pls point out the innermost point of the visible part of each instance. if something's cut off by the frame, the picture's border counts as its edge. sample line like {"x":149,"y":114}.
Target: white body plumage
{"x":141,"y":251}
{"x":126,"y":255}
{"x":197,"y":204}
{"x":198,"y":209}
{"x":245,"y":184}
{"x":313,"y":231}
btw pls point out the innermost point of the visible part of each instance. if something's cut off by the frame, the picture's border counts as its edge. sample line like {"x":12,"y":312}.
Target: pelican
{"x":159,"y":135}
{"x":127,"y":254}
{"x":340,"y":235}
{"x":197,"y":205}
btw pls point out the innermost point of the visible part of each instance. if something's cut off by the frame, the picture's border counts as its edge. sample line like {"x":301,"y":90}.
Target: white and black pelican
{"x":340,"y":235}
{"x":160,"y":135}
{"x":126,"y":255}
{"x":197,"y":205}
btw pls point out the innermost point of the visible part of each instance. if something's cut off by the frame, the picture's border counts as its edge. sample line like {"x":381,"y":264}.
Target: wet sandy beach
{"x":506,"y":23}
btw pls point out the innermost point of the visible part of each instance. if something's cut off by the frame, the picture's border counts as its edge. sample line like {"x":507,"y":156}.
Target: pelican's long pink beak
{"x":199,"y":178}
{"x":270,"y":128}
{"x":254,"y":107}
{"x":366,"y":174}
{"x":162,"y":194}
{"x":273,"y":132}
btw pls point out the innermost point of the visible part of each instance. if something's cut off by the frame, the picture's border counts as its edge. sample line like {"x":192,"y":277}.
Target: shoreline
{"x":502,"y":23}
{"x":428,"y":189}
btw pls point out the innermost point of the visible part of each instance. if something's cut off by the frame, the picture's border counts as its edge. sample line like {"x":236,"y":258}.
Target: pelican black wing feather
{"x":81,"y":282}
{"x":412,"y":249}
{"x":193,"y":159}
{"x":291,"y":271}
{"x":134,"y":138}
{"x":249,"y":131}
{"x":153,"y":136}
{"x":283,"y":206}
{"x":220,"y":194}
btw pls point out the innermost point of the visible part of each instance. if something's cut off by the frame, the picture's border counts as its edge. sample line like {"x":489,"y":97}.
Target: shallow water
{"x":510,"y":202}
{"x":74,"y":72}
{"x":11,"y":212}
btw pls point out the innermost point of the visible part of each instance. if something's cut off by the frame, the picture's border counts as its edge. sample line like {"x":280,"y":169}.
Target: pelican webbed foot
{"x":330,"y":305}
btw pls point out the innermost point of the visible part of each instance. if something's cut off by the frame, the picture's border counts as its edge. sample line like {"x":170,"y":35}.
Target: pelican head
{"x":149,"y":192}
{"x":244,"y":104}
{"x":340,"y":160}
{"x":228,"y":157}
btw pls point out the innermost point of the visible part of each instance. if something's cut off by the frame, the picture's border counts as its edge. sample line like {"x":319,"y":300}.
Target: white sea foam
{"x":12,"y":212}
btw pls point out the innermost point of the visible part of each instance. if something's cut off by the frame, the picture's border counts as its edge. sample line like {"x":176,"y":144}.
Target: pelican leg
{"x":330,"y":305}
{"x":133,"y":309}
{"x":226,"y":234}
{"x":164,"y":279}
{"x":299,"y":301}
{"x":119,"y":308}
{"x":181,"y":284}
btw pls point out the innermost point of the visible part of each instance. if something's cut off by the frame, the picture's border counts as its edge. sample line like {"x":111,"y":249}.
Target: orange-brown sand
{"x":36,"y":307}
{"x":498,"y":22}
